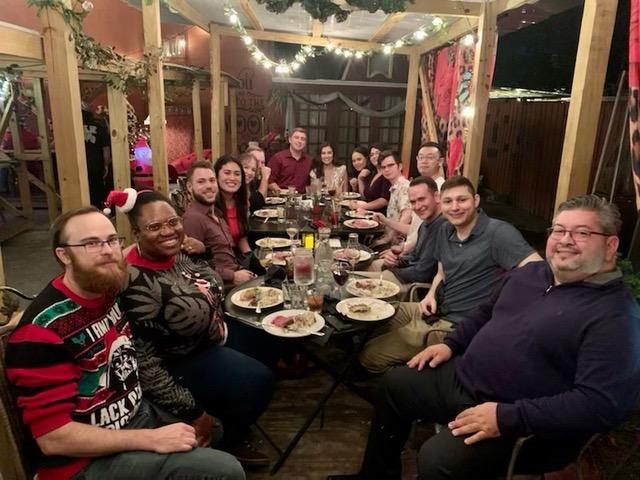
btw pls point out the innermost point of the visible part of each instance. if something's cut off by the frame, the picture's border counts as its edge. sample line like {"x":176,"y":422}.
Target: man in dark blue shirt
{"x":554,"y":354}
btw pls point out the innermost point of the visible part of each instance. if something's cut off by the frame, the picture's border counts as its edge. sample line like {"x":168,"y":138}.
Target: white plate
{"x":274,"y":299}
{"x":350,"y":195}
{"x":280,"y":257}
{"x":364,"y":255}
{"x":345,"y":203}
{"x":361,"y":224}
{"x":274,"y":200}
{"x":281,"y":332}
{"x":380,"y":288}
{"x":380,"y":310}
{"x":266,"y":213}
{"x":273,"y":242}
{"x":355,"y":214}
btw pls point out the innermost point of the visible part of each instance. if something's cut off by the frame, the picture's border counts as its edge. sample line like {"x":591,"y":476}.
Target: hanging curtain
{"x":396,"y":110}
{"x":634,"y":88}
{"x":447,"y":74}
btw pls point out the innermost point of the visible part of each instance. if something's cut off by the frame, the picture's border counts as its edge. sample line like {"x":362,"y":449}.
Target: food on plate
{"x":359,"y":308}
{"x":273,"y":242}
{"x":262,"y":296}
{"x":266,"y":212}
{"x":366,"y":284}
{"x":372,"y":288}
{"x":301,"y":320}
{"x":282,"y":255}
{"x":274,"y":200}
{"x":361,"y":223}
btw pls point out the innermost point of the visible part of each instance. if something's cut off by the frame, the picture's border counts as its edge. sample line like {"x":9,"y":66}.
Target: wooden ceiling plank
{"x":317,"y":29}
{"x":188,"y":12}
{"x":457,"y":29}
{"x":445,"y":8}
{"x":22,"y":43}
{"x":248,"y":10}
{"x":386,"y":26}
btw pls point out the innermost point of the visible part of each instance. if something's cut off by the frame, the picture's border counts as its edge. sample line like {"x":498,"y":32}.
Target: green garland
{"x":323,"y":9}
{"x":123,"y":73}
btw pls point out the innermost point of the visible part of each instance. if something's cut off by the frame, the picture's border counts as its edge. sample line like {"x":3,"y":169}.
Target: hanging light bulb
{"x":348,"y":53}
{"x":399,"y":43}
{"x":330,"y":47}
{"x":387,"y":49}
{"x":468,"y":40}
{"x":359,"y":54}
{"x":467,"y":112}
{"x":420,"y":35}
{"x":437,"y":22}
{"x":233,"y":18}
{"x":266,"y":64}
{"x":247,"y":40}
{"x":338,"y":51}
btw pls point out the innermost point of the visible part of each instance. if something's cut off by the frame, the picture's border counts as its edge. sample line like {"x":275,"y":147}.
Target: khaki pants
{"x":400,"y":339}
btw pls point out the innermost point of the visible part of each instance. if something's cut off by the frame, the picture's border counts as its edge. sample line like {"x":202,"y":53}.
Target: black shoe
{"x":353,"y":476}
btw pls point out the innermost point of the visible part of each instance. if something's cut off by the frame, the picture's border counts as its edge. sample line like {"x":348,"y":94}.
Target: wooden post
{"x":223,"y":124}
{"x":233,"y":119}
{"x":2,"y":279}
{"x":155,"y":90}
{"x":23,"y":180}
{"x":197,"y":119}
{"x":480,"y":89}
{"x":410,"y":109}
{"x":596,"y":32}
{"x":118,"y":130}
{"x":47,"y":165}
{"x":62,"y":74}
{"x":428,"y":107}
{"x":217,"y":104}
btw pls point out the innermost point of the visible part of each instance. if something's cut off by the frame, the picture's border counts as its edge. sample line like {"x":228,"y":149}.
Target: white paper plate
{"x":377,"y":288}
{"x":281,"y":332}
{"x":274,"y":200}
{"x":350,"y":195}
{"x":364,"y":255}
{"x":273,"y":242}
{"x":265,"y":301}
{"x":380,"y":310}
{"x":361,"y":223}
{"x":266,"y":213}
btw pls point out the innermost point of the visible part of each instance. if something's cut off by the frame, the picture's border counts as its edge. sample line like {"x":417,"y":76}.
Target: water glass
{"x":303,"y":267}
{"x":286,"y":294}
{"x":315,"y":300}
{"x":282,"y":214}
{"x":298,"y":296}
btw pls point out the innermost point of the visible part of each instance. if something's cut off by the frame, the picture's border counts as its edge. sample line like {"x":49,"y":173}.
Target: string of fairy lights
{"x":284,"y":67}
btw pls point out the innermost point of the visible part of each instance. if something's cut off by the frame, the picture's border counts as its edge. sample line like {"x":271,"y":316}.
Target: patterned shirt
{"x":71,"y":360}
{"x":175,"y":310}
{"x":398,"y":199}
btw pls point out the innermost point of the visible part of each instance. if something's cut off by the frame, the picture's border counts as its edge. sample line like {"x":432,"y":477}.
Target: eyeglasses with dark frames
{"x":578,"y":235}
{"x":94,"y":246}
{"x":173,"y":222}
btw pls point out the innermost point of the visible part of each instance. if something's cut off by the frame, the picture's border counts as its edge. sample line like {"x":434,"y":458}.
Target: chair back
{"x":12,"y":465}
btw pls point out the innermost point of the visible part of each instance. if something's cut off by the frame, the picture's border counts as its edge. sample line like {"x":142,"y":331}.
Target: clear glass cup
{"x":315,"y":300}
{"x":265,"y":256}
{"x":303,"y":267}
{"x":282,"y":214}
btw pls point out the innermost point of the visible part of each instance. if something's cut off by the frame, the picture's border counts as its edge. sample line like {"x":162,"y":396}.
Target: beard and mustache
{"x":108,"y":278}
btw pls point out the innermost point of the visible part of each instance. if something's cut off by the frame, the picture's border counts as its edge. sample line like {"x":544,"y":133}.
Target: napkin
{"x":275,"y":276}
{"x":332,"y":316}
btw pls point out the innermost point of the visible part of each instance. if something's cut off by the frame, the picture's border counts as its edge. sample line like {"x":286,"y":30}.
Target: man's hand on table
{"x":241,"y":276}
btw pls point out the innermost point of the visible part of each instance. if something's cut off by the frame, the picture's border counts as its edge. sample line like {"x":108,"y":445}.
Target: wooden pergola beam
{"x":386,"y":26}
{"x":309,"y":40}
{"x":217,"y":100}
{"x":248,"y":10}
{"x":410,"y":108}
{"x":455,"y":30}
{"x":155,"y":91}
{"x":186,"y":11}
{"x":62,"y":74}
{"x":233,"y":119}
{"x":20,"y":42}
{"x":316,"y":29}
{"x":596,"y":32}
{"x":197,"y":119}
{"x":480,"y":89}
{"x":445,"y":8}
{"x":118,"y":131}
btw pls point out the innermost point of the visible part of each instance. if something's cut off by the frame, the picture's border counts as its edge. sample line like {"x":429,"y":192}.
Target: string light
{"x":306,"y":51}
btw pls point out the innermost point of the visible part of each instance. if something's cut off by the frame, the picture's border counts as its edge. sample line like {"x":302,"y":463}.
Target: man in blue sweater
{"x":555,"y":353}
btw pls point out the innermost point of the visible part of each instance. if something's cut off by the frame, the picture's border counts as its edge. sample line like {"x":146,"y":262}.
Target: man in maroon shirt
{"x":203,"y":222}
{"x":291,"y":166}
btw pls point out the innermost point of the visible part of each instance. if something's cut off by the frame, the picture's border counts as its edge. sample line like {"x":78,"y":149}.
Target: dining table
{"x":337,"y":327}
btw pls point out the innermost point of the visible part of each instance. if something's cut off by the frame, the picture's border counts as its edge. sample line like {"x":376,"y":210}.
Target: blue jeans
{"x":197,"y":464}
{"x":228,"y":384}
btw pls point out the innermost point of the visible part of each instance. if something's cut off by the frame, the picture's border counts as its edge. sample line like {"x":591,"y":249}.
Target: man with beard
{"x":553,"y":354}
{"x":203,"y":222}
{"x":75,"y":374}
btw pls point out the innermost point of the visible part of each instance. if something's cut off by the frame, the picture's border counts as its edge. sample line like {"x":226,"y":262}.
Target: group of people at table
{"x":121,"y":370}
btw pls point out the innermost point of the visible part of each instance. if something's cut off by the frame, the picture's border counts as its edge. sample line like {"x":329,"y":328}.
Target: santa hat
{"x":124,"y":200}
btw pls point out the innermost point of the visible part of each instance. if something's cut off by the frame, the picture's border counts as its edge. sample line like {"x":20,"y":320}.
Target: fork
{"x":380,"y":283}
{"x":257,"y":298}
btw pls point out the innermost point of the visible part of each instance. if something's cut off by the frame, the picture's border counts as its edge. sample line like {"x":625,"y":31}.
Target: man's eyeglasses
{"x":173,"y":222}
{"x":94,"y":246}
{"x":427,"y":157}
{"x":578,"y":235}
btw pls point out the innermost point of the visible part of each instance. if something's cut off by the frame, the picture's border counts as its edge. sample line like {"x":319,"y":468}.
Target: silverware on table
{"x":258,"y":297}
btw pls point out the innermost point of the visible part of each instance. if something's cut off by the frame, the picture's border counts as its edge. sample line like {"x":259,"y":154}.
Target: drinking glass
{"x":303,"y":267}
{"x":352,"y":252}
{"x":340,"y":271}
{"x":265,"y":256}
{"x":315,"y":300}
{"x":397,"y":245}
{"x":281,"y":214}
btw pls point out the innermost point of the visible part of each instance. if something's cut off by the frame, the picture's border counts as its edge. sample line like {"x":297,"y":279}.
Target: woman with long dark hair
{"x":327,"y":168}
{"x":359,"y":161}
{"x":372,"y":185}
{"x":232,"y":199}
